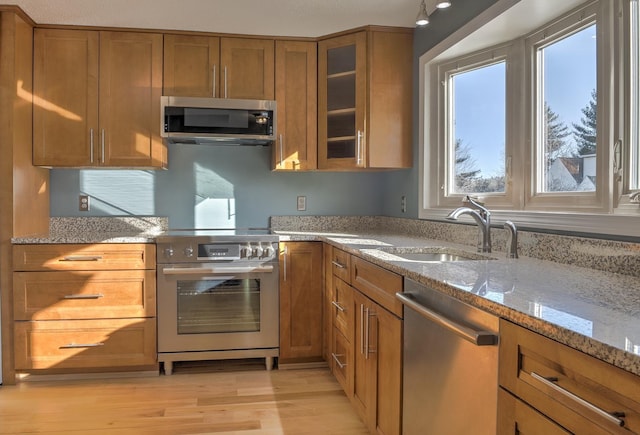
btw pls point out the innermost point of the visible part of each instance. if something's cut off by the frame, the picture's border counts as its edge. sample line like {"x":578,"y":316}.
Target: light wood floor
{"x":223,"y":401}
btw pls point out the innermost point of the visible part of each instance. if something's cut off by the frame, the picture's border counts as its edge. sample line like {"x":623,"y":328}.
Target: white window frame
{"x":546,"y":36}
{"x":441,"y":76}
{"x":493,"y":28}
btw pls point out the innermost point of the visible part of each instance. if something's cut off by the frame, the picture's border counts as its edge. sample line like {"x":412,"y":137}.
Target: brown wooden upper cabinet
{"x":220,"y":67}
{"x":364,"y":100}
{"x":296,"y":94}
{"x":97,"y":99}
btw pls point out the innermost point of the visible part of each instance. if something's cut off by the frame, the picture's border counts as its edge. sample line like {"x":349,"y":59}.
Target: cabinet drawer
{"x":377,"y":283}
{"x":579,"y":392}
{"x":340,"y":265}
{"x":342,"y":361}
{"x":85,"y":344}
{"x":84,"y":257}
{"x":516,"y":417}
{"x":341,"y":306}
{"x":84,"y":294}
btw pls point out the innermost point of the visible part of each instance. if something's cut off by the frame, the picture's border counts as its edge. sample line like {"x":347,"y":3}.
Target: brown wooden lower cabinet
{"x":366,"y":350}
{"x":576,"y":391}
{"x":300,"y":302}
{"x":516,"y":417}
{"x":84,"y":308}
{"x":79,"y":344}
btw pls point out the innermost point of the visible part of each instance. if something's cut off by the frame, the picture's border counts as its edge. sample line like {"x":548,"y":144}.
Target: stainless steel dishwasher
{"x":450,"y":368}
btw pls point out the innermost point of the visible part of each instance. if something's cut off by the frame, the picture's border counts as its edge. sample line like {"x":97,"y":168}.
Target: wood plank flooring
{"x":243,"y":401}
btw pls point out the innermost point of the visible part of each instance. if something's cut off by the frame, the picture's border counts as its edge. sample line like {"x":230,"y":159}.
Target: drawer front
{"x":84,"y":295}
{"x":377,"y":283}
{"x":579,"y":392}
{"x":342,"y":362}
{"x":516,"y":417}
{"x":341,"y":307}
{"x":79,"y":344}
{"x":340,"y":265}
{"x":84,"y":257}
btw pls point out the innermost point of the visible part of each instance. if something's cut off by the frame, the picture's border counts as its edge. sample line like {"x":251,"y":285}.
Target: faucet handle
{"x":478,"y":205}
{"x":512,"y":242}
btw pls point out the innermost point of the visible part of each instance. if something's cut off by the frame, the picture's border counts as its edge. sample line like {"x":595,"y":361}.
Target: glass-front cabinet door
{"x":342,"y":100}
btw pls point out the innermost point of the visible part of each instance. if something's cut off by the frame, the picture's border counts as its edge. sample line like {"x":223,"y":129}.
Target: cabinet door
{"x":247,"y":68}
{"x":296,"y":94}
{"x":300,"y":301}
{"x":387,"y":349}
{"x":364,"y":360}
{"x":342,"y":101}
{"x":191,"y":65}
{"x":65,"y":100}
{"x":130,"y":90}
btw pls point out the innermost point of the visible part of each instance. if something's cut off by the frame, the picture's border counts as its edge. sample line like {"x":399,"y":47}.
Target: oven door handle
{"x":216,"y":269}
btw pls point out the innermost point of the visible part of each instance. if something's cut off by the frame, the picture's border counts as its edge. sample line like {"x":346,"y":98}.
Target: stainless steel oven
{"x":218,"y":296}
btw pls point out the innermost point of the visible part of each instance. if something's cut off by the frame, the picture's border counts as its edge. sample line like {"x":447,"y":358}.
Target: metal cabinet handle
{"x":80,"y":345}
{"x":359,"y":148}
{"x":78,"y":296}
{"x":284,"y":263}
{"x":366,"y":333}
{"x":338,"y":265}
{"x":225,"y":81}
{"x":338,"y":306}
{"x":335,"y":357}
{"x":91,"y":145}
{"x":81,"y":258}
{"x":479,"y":338}
{"x":214,"y":82}
{"x":611,"y":417}
{"x":102,"y":140}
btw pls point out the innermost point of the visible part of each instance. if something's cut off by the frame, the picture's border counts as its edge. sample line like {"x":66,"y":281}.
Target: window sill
{"x":621,"y":226}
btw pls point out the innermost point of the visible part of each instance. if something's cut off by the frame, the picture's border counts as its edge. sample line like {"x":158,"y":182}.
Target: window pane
{"x":567,"y":113}
{"x":478,"y":130}
{"x":634,"y":182}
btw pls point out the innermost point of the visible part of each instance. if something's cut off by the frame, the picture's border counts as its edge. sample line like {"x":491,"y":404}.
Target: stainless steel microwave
{"x":191,"y":120}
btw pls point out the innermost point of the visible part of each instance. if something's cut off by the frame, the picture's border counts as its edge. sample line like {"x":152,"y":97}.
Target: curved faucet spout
{"x":482,"y":217}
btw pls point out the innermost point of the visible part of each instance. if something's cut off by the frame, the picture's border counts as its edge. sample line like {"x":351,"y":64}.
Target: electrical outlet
{"x":83,"y":203}
{"x":403,"y":204}
{"x":302,"y":203}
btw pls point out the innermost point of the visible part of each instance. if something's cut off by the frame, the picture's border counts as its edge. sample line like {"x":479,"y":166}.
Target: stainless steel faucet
{"x":512,"y":243}
{"x":481,"y":215}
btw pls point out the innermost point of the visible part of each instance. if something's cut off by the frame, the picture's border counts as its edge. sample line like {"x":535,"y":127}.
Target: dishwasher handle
{"x":479,"y":338}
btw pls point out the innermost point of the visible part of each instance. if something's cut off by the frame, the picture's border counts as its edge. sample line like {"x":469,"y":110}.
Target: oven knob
{"x":258,"y":251}
{"x":247,"y":251}
{"x":168,"y":252}
{"x":267,"y":251}
{"x":188,"y":251}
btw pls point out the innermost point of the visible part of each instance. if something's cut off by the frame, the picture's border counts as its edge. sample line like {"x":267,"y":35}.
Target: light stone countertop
{"x":590,"y":310}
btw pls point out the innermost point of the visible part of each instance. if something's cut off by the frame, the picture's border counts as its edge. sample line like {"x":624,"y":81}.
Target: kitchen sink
{"x":433,"y":254}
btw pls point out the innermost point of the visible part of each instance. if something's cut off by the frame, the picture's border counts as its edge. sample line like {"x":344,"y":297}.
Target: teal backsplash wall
{"x":215,"y":187}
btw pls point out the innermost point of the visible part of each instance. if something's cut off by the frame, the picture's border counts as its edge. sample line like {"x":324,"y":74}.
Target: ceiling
{"x":258,"y":17}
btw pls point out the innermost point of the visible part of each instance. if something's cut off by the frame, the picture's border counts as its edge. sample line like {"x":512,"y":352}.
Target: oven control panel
{"x":186,"y":251}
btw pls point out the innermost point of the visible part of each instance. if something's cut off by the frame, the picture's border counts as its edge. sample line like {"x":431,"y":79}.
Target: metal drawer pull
{"x":479,"y":338}
{"x":335,"y":357}
{"x":338,"y":265}
{"x":79,"y":345}
{"x":96,"y":296}
{"x":611,"y":417}
{"x":82,"y":258}
{"x":337,"y":305}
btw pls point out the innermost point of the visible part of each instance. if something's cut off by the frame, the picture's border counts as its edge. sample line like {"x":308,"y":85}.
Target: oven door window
{"x":218,"y":306}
